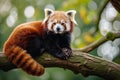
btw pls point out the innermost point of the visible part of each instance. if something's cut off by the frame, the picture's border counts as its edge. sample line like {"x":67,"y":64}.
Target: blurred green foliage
{"x":13,"y":11}
{"x":86,"y":17}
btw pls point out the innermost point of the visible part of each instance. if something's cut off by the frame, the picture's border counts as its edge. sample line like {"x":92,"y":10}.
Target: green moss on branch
{"x":92,"y":46}
{"x":79,"y":63}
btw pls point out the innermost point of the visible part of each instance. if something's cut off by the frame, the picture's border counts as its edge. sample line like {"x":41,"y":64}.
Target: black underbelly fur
{"x":56,"y":44}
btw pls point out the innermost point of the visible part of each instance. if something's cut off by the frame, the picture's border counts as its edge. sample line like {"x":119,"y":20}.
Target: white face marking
{"x":50,"y":24}
{"x":55,"y":21}
{"x":62,"y":21}
{"x":58,"y":28}
{"x":61,"y":27}
{"x":67,"y":23}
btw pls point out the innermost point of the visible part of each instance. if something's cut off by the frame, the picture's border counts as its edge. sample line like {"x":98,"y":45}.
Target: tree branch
{"x":109,"y":36}
{"x":99,"y":14}
{"x":79,"y":63}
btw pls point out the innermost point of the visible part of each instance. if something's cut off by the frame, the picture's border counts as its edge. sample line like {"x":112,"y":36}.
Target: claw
{"x":64,"y":54}
{"x":67,"y":52}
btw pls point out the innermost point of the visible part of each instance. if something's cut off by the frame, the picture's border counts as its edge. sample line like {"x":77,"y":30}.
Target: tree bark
{"x":79,"y":62}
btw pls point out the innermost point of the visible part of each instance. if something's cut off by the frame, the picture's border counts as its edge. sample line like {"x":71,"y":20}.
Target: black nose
{"x":58,"y":29}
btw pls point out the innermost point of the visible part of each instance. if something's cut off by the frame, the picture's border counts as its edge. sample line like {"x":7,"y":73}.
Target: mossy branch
{"x":109,"y":36}
{"x":79,"y":63}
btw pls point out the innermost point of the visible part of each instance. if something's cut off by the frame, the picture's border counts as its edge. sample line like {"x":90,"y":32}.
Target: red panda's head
{"x":59,"y":21}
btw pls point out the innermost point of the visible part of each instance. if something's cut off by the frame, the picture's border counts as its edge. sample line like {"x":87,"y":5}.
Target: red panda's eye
{"x":62,"y":23}
{"x":54,"y":23}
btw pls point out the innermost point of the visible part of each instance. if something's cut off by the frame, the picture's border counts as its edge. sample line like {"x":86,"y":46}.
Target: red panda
{"x":31,"y":39}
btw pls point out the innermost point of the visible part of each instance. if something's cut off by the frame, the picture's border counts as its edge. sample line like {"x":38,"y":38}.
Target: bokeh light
{"x":110,"y":12}
{"x":105,"y":26}
{"x":50,"y":6}
{"x":107,"y":16}
{"x":108,"y":50}
{"x":12,"y":18}
{"x":29,"y":11}
{"x":92,"y":5}
{"x":116,"y":42}
{"x":5,"y":8}
{"x":116,"y":26}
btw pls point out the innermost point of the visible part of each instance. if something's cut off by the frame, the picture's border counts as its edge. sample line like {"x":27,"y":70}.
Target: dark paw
{"x":64,"y":53}
{"x":61,"y":55}
{"x":67,"y":52}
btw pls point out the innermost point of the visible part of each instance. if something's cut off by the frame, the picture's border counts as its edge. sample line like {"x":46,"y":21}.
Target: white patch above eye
{"x":62,"y":28}
{"x":67,"y":25}
{"x":50,"y":23}
{"x":62,"y":21}
{"x":55,"y":21}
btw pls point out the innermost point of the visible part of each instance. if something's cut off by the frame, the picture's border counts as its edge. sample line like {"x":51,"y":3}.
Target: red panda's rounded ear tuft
{"x":48,"y":12}
{"x":71,"y":15}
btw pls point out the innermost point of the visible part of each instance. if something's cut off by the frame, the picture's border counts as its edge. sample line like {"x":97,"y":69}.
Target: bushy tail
{"x":23,"y":60}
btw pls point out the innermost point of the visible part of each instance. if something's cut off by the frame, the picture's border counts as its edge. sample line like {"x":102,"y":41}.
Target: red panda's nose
{"x":58,"y":29}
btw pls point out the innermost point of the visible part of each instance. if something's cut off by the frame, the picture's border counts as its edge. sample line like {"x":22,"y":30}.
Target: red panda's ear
{"x":71,"y":15}
{"x":48,"y":12}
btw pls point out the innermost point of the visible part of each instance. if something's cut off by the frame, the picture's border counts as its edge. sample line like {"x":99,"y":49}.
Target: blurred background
{"x":95,"y":19}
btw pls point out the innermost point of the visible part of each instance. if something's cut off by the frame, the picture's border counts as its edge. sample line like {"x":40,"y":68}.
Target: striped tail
{"x":23,"y":60}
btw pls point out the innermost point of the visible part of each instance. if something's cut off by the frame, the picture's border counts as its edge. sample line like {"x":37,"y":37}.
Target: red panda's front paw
{"x":64,"y":54}
{"x":67,"y":52}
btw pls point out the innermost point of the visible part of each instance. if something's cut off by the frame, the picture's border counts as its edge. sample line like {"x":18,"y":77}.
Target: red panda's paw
{"x":64,"y":54}
{"x":67,"y":52}
{"x":61,"y":55}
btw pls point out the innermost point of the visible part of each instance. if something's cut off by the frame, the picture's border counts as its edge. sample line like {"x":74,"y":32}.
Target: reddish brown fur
{"x":15,"y":46}
{"x":16,"y":43}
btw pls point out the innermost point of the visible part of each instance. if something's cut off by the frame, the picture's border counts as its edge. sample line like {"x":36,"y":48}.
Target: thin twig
{"x":99,"y":15}
{"x":92,"y":46}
